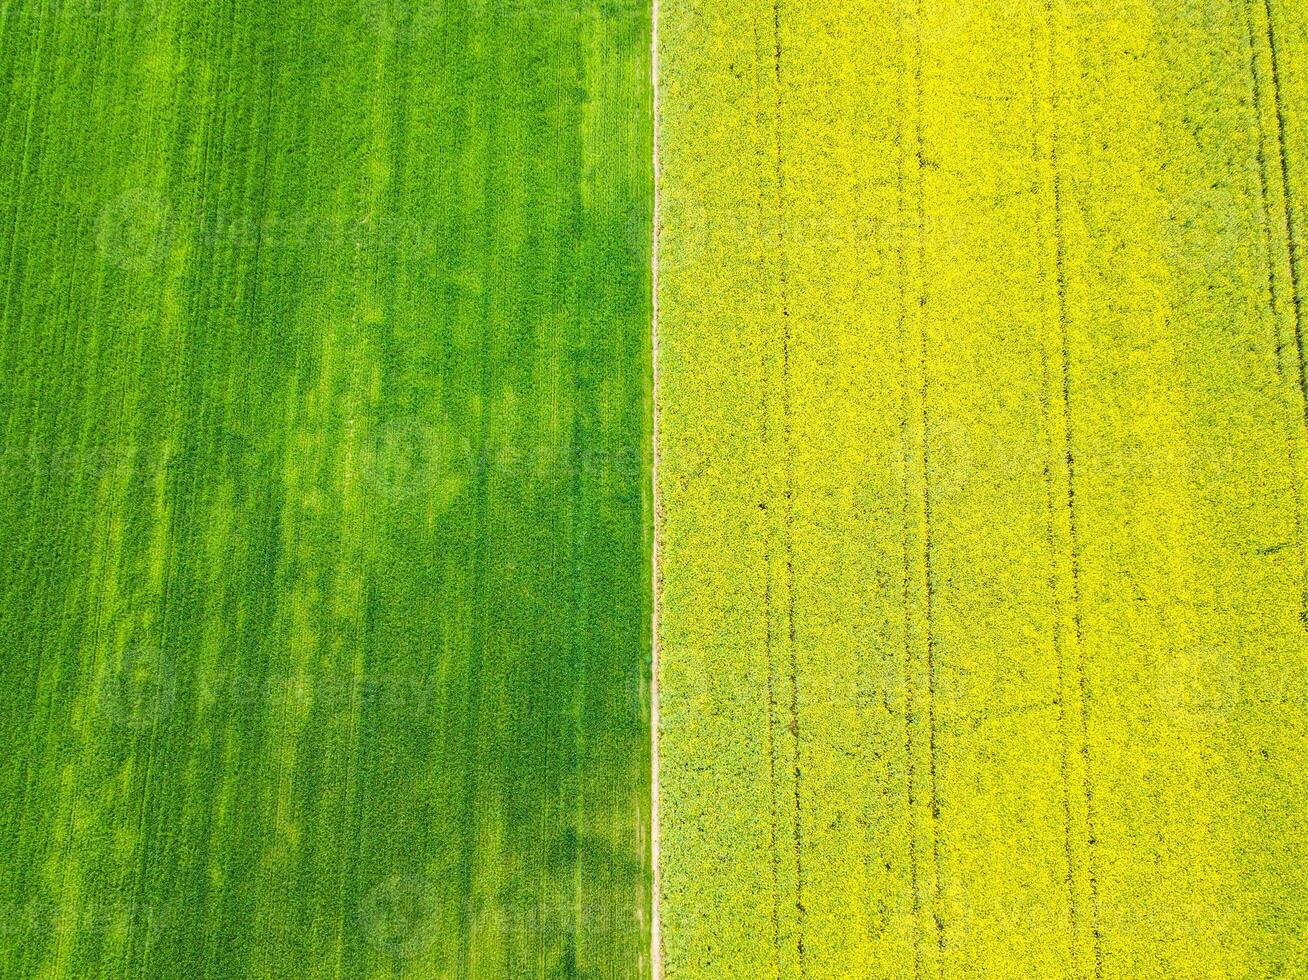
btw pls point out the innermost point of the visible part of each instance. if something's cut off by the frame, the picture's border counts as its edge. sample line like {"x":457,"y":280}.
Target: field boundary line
{"x":656,"y":930}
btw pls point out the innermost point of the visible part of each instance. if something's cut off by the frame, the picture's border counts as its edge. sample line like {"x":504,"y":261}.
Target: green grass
{"x":324,"y":505}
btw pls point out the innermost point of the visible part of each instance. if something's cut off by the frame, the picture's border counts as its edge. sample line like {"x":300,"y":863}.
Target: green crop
{"x":325,"y":503}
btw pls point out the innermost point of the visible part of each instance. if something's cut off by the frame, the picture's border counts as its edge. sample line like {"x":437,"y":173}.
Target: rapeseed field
{"x":982,"y":446}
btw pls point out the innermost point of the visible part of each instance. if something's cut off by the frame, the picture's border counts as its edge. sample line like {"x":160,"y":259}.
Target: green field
{"x":324,"y":505}
{"x":983,"y":649}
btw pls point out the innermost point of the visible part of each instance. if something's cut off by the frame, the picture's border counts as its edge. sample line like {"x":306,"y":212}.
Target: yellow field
{"x":981,"y":465}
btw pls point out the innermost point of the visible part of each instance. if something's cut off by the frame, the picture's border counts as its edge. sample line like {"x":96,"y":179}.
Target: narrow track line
{"x":789,"y":491}
{"x":1291,"y":233}
{"x":927,"y":544}
{"x":1060,"y":643}
{"x":764,"y":407}
{"x":1264,"y":187}
{"x":910,"y":698}
{"x":917,"y":569}
{"x":1069,"y":464}
{"x":1292,"y":236}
